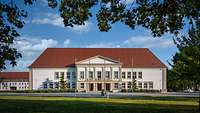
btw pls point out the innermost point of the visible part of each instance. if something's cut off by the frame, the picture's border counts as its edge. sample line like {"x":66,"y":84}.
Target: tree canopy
{"x":160,"y":16}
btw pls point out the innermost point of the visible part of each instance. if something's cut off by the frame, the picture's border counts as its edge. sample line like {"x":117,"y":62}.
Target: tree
{"x":62,"y":84}
{"x":160,"y":16}
{"x":186,"y":62}
{"x":133,"y":85}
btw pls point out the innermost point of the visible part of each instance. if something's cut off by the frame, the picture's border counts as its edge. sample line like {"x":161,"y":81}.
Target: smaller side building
{"x":14,"y":81}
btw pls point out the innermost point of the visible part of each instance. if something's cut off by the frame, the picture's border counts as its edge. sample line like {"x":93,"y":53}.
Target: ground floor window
{"x":123,"y":85}
{"x":82,"y":85}
{"x":116,"y":85}
{"x":73,"y":85}
{"x":129,"y":85}
{"x":145,"y":85}
{"x":140,"y":85}
{"x":150,"y":85}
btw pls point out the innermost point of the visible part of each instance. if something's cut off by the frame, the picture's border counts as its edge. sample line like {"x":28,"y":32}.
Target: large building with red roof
{"x":97,"y":69}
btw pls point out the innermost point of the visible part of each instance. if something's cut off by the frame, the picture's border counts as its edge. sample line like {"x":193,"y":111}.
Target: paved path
{"x":172,"y":94}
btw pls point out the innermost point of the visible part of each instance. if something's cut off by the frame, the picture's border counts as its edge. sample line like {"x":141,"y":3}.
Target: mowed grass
{"x":21,"y":104}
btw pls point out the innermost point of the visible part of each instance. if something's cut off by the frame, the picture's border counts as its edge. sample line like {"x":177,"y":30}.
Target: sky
{"x":44,"y":28}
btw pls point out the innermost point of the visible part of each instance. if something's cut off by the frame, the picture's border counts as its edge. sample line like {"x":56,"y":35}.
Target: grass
{"x":22,"y":104}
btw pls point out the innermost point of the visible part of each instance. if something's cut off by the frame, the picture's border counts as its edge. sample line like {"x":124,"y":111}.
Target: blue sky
{"x":44,"y":28}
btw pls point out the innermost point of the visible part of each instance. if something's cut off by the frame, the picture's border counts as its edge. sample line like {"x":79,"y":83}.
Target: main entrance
{"x":107,"y":86}
{"x":91,"y":87}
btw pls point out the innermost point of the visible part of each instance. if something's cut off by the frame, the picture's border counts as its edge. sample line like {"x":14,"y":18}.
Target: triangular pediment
{"x":98,"y":60}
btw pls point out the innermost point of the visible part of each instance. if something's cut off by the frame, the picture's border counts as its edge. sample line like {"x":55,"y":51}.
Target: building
{"x":14,"y":81}
{"x":97,"y":69}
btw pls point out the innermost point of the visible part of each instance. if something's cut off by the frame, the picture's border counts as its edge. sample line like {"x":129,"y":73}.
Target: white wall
{"x":41,"y":74}
{"x":148,"y":74}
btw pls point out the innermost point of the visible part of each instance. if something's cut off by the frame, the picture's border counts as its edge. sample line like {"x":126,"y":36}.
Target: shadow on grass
{"x":78,"y":106}
{"x":169,"y":98}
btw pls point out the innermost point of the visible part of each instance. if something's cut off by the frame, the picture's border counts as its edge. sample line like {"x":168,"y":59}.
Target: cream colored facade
{"x":99,"y":73}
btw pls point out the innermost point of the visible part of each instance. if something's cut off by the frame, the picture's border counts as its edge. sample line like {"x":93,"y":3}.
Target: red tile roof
{"x":66,"y":57}
{"x":14,"y":76}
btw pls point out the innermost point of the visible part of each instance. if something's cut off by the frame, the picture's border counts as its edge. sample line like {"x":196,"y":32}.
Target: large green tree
{"x":186,"y":62}
{"x":160,"y":16}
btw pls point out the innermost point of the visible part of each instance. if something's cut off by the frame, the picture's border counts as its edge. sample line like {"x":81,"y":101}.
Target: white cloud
{"x":31,"y":47}
{"x":137,"y":42}
{"x":66,"y":42}
{"x":56,"y":20}
{"x":148,"y":42}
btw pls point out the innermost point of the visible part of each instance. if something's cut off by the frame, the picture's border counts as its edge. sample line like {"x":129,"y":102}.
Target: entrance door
{"x":91,"y":86}
{"x":107,"y":86}
{"x":99,"y":86}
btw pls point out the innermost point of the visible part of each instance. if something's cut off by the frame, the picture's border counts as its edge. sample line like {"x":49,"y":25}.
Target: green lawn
{"x":20,"y":104}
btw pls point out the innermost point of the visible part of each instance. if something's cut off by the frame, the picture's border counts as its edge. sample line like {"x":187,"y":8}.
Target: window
{"x":134,"y":75}
{"x":150,"y":85}
{"x":123,"y":85}
{"x":129,"y":75}
{"x":81,"y":74}
{"x":140,"y":85}
{"x":56,"y":85}
{"x":99,"y":75}
{"x":116,"y":86}
{"x":107,"y":74}
{"x":45,"y":85}
{"x":140,"y":75}
{"x":73,"y":85}
{"x":51,"y":85}
{"x":123,"y":75}
{"x":62,"y":73}
{"x":56,"y":75}
{"x":116,"y":75}
{"x":145,"y":85}
{"x":129,"y":85}
{"x":90,"y":74}
{"x":68,"y":75}
{"x":82,"y":85}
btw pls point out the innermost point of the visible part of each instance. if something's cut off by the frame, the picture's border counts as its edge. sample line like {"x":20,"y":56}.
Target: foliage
{"x":160,"y":16}
{"x":186,"y":62}
{"x":62,"y":84}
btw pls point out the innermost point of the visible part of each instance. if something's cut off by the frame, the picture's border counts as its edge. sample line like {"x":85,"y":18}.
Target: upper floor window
{"x":140,"y":75}
{"x":134,"y":75}
{"x":123,"y":75}
{"x":82,"y":74}
{"x":99,"y":75}
{"x":90,"y":74}
{"x":107,"y":74}
{"x":68,"y":75}
{"x":62,"y":73}
{"x":116,"y":75}
{"x":74,"y":75}
{"x":129,"y":75}
{"x":56,"y":75}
